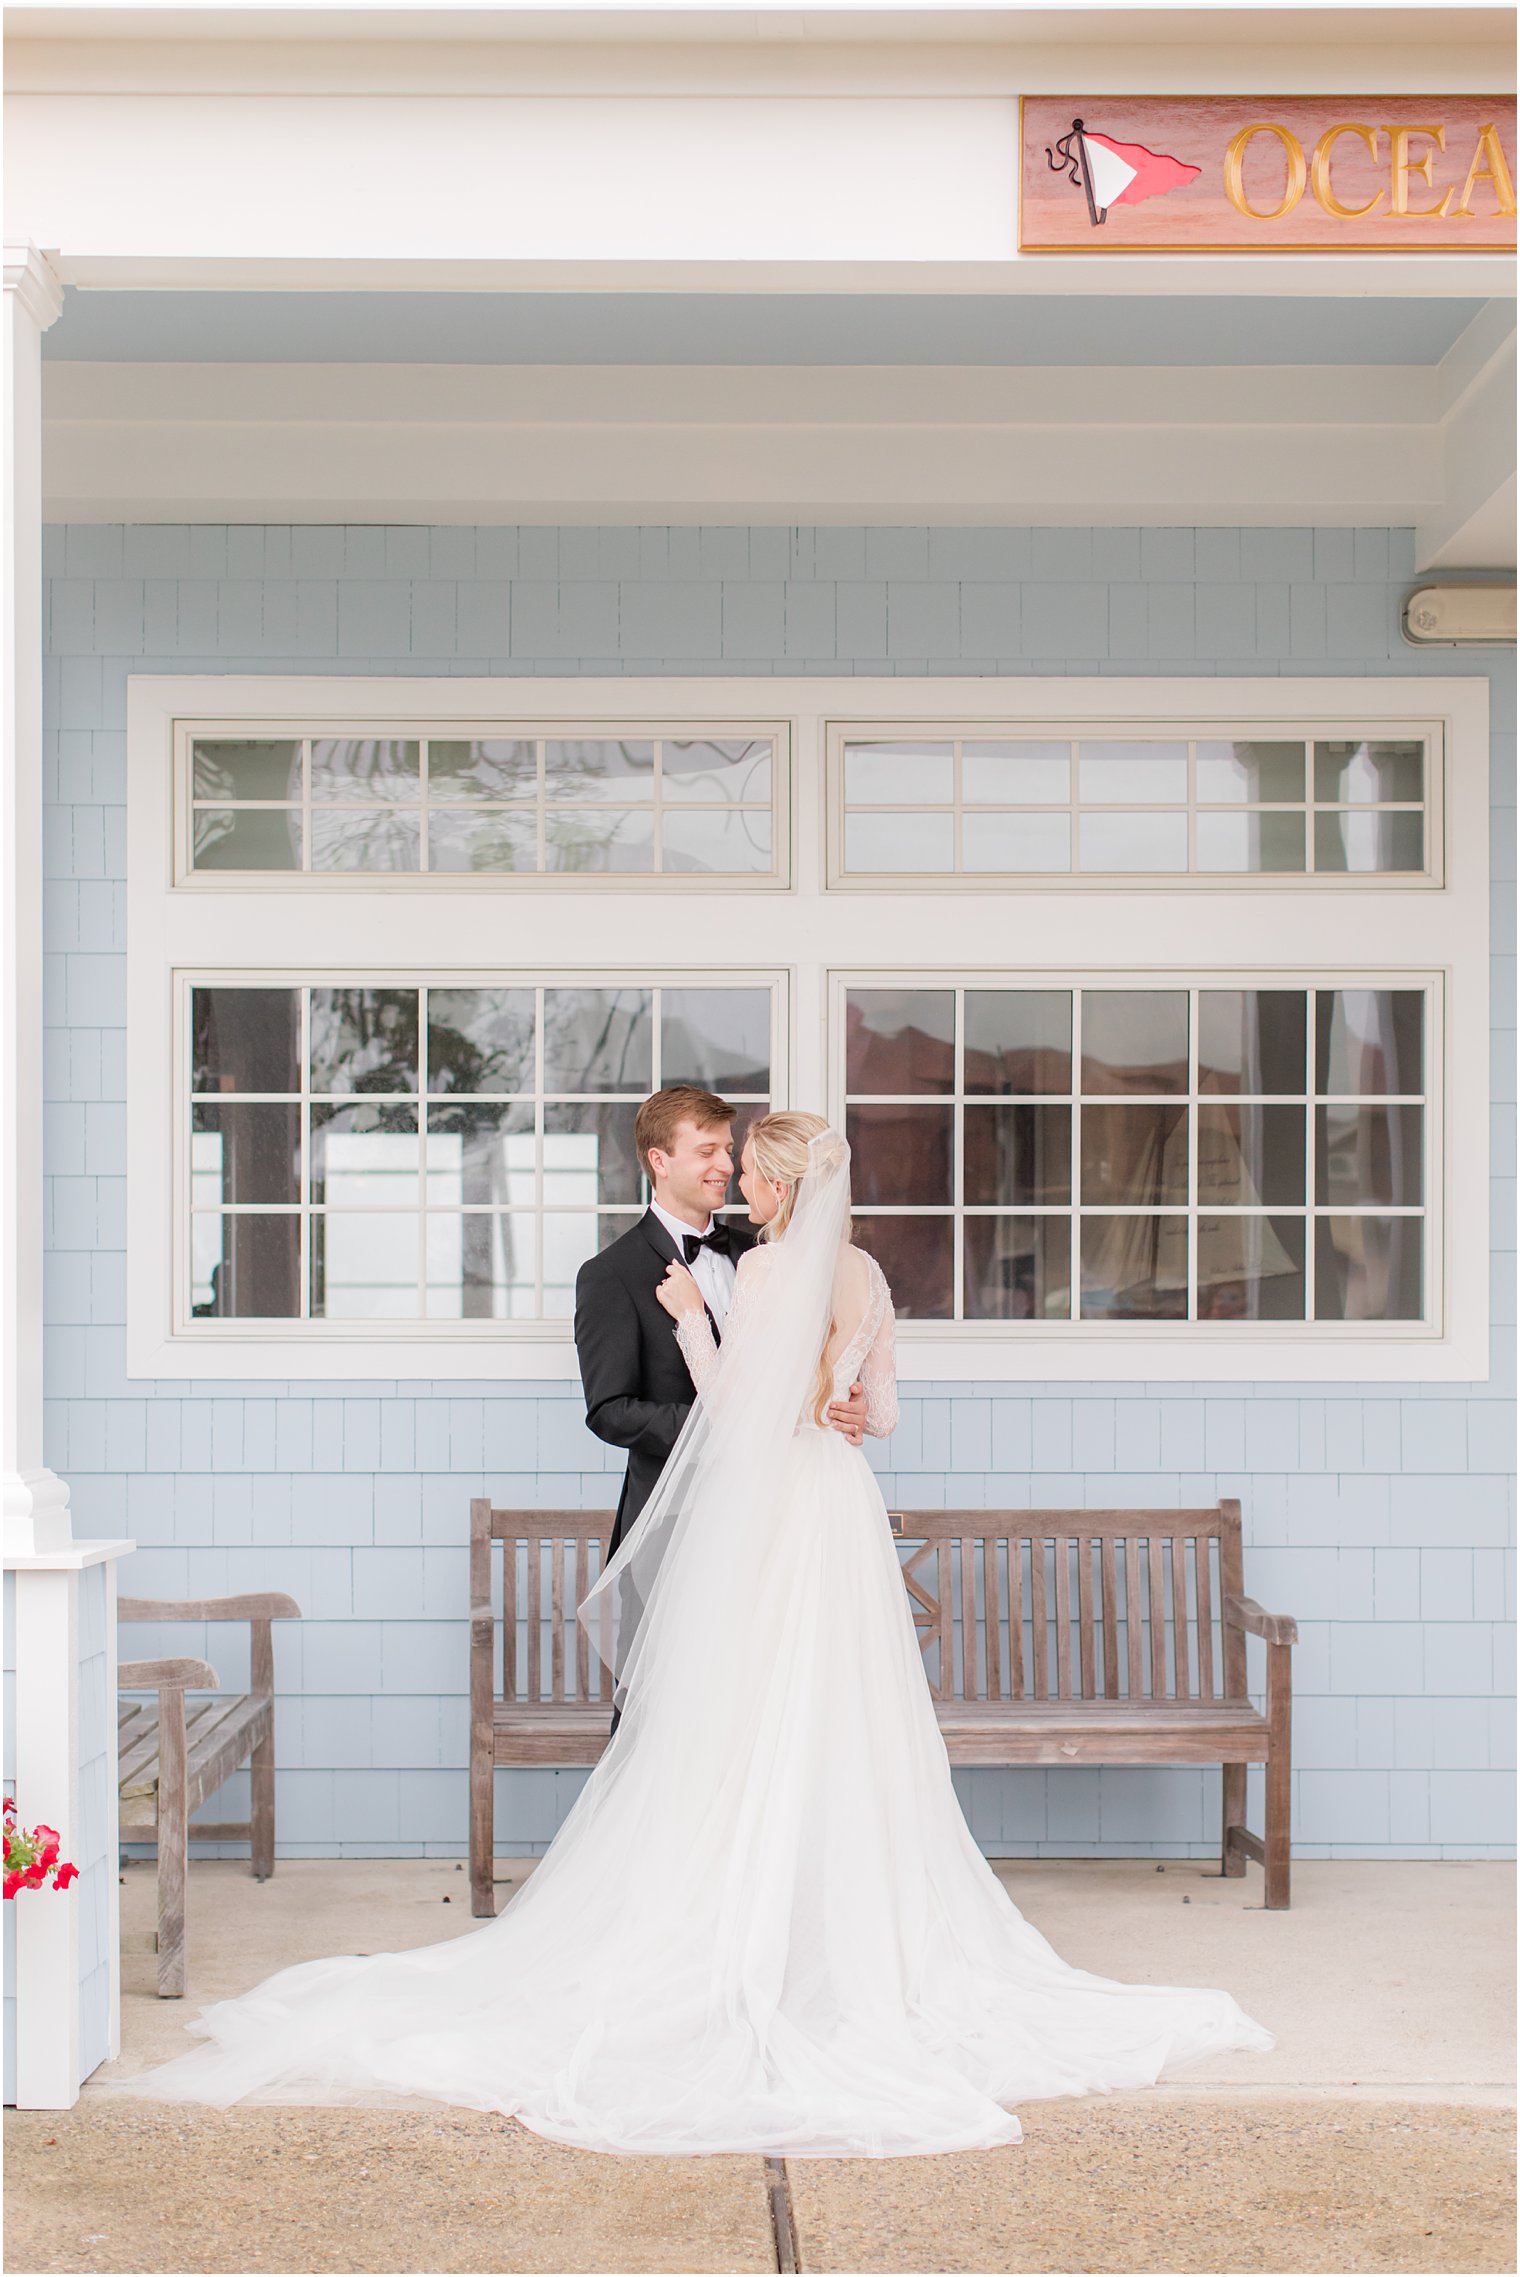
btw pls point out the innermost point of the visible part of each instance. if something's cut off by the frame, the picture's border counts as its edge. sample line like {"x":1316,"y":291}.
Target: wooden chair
{"x":173,"y":1756}
{"x":1049,"y":1637}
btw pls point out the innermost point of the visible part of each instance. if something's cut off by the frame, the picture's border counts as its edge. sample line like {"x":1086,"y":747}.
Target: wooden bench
{"x":173,"y":1755}
{"x":1116,"y":1637}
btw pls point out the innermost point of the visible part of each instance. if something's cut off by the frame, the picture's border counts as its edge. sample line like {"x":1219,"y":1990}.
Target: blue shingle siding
{"x":1382,"y":1517}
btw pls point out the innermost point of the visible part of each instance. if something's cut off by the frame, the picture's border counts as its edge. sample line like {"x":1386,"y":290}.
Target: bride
{"x":764,"y":1926}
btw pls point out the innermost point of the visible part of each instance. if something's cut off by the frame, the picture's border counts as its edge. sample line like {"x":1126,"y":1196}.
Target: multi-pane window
{"x":1141,"y":1152}
{"x":443,"y":1152}
{"x":919,"y":805}
{"x":494,"y":804}
{"x":1155,"y":1008}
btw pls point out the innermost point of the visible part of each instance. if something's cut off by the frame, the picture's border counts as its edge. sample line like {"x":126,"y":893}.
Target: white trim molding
{"x":1436,"y":934}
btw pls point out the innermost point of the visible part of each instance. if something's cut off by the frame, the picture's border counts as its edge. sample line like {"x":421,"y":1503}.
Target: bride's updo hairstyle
{"x":781,"y":1154}
{"x":781,"y":1145}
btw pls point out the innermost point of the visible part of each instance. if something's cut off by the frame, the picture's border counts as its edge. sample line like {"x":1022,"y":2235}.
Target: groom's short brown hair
{"x":658,"y":1120}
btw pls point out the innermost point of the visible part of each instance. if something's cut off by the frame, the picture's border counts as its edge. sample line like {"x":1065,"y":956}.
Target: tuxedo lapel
{"x":658,"y":1239}
{"x":665,"y":1249}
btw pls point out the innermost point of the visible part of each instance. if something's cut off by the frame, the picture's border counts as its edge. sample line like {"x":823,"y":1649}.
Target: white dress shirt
{"x":714,"y":1275}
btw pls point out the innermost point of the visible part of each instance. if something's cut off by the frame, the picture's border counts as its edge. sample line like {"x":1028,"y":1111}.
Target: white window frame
{"x":810,"y":932}
{"x":1222,"y":727}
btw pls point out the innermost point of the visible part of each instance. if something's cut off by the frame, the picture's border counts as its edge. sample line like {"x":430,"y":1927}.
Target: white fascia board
{"x":1309,"y":276}
{"x":869,"y":180}
{"x":1443,"y":932}
{"x":295,"y":443}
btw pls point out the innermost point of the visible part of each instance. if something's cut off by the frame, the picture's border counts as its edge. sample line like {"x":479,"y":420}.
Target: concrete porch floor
{"x":1376,"y":2136}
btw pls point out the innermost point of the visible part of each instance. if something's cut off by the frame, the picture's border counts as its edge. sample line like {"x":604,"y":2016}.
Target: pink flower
{"x":64,"y":1876}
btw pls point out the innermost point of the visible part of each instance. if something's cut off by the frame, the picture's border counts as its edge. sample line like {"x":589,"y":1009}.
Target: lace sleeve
{"x":695,"y":1337}
{"x":694,"y":1332}
{"x":878,"y":1375}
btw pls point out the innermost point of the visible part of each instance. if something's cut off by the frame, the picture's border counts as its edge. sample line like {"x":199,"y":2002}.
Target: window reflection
{"x":1369,"y":1154}
{"x":363,"y":1039}
{"x":717,"y":1037}
{"x":1134,"y":1040}
{"x":598,"y":1039}
{"x":482,"y":1154}
{"x":1252,"y":1040}
{"x":365,"y":767}
{"x":480,"y":1039}
{"x":479,"y":1199}
{"x":1178,"y":1207}
{"x":244,"y":767}
{"x":246,"y":1154}
{"x":1250,"y":1154}
{"x":1370,"y":1042}
{"x":364,"y":1154}
{"x":1251,"y":1268}
{"x":1368,"y":1268}
{"x":899,"y":1040}
{"x":1018,"y":1040}
{"x":1134,"y":1268}
{"x":1212,"y":806}
{"x":245,"y":1268}
{"x":1016,"y":1155}
{"x":490,"y":806}
{"x":1018,"y":1268}
{"x":364,"y":1265}
{"x":246,"y":1039}
{"x":900,"y":1154}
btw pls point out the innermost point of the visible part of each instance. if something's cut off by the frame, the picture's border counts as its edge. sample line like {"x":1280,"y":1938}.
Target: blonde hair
{"x":781,"y":1145}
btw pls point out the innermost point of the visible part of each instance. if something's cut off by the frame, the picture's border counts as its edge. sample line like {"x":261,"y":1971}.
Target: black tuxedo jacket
{"x":638,"y":1390}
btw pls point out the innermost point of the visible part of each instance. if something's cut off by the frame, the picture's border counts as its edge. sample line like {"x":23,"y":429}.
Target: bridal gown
{"x":764,"y":1926}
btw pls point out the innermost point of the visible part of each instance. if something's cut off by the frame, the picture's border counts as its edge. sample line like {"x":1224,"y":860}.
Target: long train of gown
{"x":764,"y":1926}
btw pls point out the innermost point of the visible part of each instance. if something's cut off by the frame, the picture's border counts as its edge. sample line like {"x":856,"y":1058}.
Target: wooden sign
{"x":1267,"y":174}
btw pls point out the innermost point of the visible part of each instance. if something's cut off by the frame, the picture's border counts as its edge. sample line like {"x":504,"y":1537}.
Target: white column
{"x":36,"y":1504}
{"x":46,"y":1571}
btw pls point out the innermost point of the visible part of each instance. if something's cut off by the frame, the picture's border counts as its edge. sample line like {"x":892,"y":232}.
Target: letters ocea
{"x":1410,"y":156}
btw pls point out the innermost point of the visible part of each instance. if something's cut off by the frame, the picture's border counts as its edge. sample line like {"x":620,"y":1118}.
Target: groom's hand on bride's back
{"x":849,"y":1415}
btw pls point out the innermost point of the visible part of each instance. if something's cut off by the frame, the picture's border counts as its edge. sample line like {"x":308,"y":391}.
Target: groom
{"x":638,"y":1390}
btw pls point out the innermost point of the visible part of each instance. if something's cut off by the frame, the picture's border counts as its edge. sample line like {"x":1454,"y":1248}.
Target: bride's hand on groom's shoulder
{"x":678,"y":1292}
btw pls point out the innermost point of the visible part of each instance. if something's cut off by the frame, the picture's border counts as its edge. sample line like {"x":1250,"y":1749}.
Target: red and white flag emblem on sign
{"x":1115,"y":173}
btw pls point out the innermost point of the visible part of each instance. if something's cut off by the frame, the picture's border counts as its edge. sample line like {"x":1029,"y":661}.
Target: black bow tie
{"x":719,"y":1240}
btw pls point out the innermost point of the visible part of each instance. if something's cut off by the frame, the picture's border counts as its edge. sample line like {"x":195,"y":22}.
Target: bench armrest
{"x":167,"y":1676}
{"x":1245,"y":1613}
{"x":259,"y":1605}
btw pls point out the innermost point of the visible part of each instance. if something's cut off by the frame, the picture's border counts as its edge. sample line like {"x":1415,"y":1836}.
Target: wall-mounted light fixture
{"x":1454,"y":616}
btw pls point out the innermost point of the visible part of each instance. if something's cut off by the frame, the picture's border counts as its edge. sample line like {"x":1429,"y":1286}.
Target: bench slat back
{"x":1075,"y":1604}
{"x":536,"y":1566}
{"x":1008,"y":1604}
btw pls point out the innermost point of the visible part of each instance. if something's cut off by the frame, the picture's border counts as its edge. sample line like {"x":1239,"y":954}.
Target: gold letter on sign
{"x":1488,"y":166}
{"x":1403,"y":166}
{"x":1319,"y":171}
{"x":1234,"y":171}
